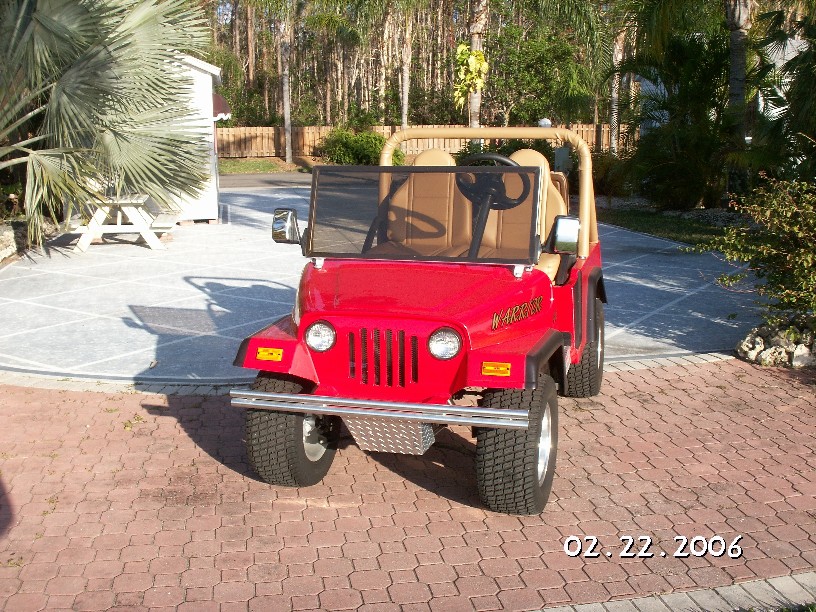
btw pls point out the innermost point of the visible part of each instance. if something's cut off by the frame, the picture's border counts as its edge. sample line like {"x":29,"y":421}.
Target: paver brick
{"x":709,"y":449}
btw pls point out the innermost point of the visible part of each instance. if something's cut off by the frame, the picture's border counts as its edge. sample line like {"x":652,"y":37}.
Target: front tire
{"x":515,"y":468}
{"x":584,"y":378}
{"x":288,"y":449}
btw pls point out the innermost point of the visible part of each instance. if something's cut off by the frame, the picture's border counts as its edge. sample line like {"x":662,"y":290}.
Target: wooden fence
{"x":306,"y":141}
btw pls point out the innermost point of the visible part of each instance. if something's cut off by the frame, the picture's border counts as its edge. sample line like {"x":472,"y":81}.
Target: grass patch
{"x":248,"y":165}
{"x":689,"y":231}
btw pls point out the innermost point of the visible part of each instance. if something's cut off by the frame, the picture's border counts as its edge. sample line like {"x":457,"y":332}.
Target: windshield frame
{"x":380,"y":174}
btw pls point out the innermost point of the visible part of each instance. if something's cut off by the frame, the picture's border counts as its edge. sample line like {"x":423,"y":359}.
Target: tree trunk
{"x":236,"y":30}
{"x":265,"y":68}
{"x":407,"y":48}
{"x":738,"y":19}
{"x":251,"y":45}
{"x":596,"y":119}
{"x":614,"y":94}
{"x":287,"y":94}
{"x":384,"y":64}
{"x":478,"y":25}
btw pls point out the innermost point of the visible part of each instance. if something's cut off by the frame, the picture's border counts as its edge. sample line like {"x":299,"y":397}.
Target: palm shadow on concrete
{"x":197,"y":345}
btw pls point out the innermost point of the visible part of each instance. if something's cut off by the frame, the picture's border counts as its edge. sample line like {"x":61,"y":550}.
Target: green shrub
{"x":779,"y":247}
{"x":346,"y":148}
{"x":609,"y":174}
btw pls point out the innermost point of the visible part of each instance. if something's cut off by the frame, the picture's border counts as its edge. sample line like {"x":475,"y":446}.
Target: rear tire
{"x":288,"y":449}
{"x":514,"y":467}
{"x":584,"y":378}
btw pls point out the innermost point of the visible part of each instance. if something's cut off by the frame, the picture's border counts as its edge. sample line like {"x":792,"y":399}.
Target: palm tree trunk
{"x":478,"y":25}
{"x":738,"y":19}
{"x":614,"y":94}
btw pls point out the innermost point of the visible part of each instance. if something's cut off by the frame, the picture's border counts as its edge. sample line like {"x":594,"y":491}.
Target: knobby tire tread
{"x":271,"y":436}
{"x":584,"y":378}
{"x":274,"y":440}
{"x":506,"y":459}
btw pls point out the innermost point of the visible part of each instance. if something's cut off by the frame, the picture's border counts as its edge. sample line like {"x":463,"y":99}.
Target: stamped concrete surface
{"x":122,"y":312}
{"x":145,"y":501}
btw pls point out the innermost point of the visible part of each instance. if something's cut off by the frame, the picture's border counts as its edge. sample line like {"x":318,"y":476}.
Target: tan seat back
{"x":507,"y":233}
{"x":559,"y":179}
{"x":427,"y":214}
{"x":551,"y":203}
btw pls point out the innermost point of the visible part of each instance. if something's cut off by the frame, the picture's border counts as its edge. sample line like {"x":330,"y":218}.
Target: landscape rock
{"x":776,"y":356}
{"x":802,"y":357}
{"x":7,"y":244}
{"x":782,"y":339}
{"x":751,"y":346}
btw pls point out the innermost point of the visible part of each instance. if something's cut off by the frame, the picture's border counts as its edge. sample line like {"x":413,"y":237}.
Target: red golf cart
{"x":428,"y":282}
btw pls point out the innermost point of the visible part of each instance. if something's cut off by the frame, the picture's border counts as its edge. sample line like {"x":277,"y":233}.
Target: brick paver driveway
{"x":146,"y":501}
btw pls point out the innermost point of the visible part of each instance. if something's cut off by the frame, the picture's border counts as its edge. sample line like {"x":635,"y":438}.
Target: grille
{"x":383,"y":357}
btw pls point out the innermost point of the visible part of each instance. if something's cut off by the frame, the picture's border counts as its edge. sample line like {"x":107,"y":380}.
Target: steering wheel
{"x":489,"y":184}
{"x":488,"y":192}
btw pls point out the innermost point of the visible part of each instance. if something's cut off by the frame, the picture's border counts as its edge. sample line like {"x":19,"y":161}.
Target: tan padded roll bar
{"x":586,"y":195}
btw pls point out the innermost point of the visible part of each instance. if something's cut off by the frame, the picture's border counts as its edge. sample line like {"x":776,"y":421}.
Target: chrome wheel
{"x":544,"y":445}
{"x":315,"y":441}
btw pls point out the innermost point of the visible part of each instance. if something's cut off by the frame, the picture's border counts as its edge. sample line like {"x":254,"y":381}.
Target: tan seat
{"x":507,"y":232}
{"x":427,"y":215}
{"x":551,"y":204}
{"x":559,"y":179}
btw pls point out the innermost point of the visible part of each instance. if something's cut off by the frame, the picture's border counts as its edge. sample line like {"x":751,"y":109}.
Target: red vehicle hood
{"x":465,"y":294}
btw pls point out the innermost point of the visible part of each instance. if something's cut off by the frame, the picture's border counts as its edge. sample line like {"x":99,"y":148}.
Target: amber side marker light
{"x":495,"y":368}
{"x":269,"y":354}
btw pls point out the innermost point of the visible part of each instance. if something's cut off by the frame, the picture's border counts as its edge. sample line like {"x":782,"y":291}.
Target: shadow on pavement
{"x":211,"y":423}
{"x":447,"y":469}
{"x":189,"y":339}
{"x":6,"y":513}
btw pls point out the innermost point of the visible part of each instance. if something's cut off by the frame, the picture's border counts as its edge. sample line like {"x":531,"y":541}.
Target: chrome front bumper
{"x":386,"y":411}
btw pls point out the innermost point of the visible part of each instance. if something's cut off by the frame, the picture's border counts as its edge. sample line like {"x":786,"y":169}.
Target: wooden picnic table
{"x":141,"y":215}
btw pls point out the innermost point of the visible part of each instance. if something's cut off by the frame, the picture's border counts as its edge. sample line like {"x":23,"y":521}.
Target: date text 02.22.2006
{"x":639,"y":547}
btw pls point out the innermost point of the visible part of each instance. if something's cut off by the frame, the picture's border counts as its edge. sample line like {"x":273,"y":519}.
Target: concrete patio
{"x":122,"y":312}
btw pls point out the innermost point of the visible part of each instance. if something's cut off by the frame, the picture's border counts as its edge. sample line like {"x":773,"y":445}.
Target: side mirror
{"x":285,"y":226}
{"x":564,"y":235}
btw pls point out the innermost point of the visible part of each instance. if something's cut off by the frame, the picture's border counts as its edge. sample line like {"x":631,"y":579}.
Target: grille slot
{"x":376,"y":356}
{"x":376,"y":362}
{"x":352,"y":360}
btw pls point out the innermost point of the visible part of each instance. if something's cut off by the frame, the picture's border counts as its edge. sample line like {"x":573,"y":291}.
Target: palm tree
{"x":596,"y":31}
{"x":93,"y":101}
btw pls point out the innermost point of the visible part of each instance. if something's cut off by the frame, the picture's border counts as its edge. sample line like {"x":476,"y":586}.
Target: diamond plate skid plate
{"x":391,"y":436}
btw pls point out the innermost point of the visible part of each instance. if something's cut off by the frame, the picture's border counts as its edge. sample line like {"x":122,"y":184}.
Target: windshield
{"x":485,"y":214}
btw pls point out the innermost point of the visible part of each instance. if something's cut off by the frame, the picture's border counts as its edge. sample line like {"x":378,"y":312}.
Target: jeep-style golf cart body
{"x":427,"y":282}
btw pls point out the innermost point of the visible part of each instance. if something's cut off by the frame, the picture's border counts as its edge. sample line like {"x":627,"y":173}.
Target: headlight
{"x":320,"y":336}
{"x":444,"y":343}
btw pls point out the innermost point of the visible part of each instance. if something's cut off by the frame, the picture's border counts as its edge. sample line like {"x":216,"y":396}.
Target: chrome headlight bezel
{"x":445,"y":343}
{"x":317,"y":344}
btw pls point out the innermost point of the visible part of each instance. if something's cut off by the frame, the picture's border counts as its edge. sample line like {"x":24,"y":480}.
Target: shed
{"x":210,"y":107}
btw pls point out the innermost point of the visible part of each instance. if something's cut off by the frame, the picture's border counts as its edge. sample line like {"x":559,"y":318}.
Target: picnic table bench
{"x":136,"y":214}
